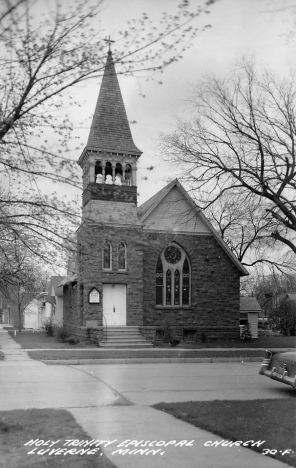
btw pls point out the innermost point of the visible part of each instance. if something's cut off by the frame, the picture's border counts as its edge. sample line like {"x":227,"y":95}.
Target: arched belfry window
{"x":108,"y":173}
{"x":122,"y":256}
{"x":173,"y":277}
{"x":98,"y":172}
{"x":107,"y":256}
{"x":128,"y":174}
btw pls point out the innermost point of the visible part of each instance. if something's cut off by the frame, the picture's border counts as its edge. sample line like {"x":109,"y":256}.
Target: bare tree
{"x":43,"y":56}
{"x":241,"y":141}
{"x":24,"y":284}
{"x":245,"y":226}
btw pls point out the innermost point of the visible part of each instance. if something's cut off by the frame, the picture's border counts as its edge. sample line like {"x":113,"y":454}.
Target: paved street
{"x":111,"y":402}
{"x":152,"y":383}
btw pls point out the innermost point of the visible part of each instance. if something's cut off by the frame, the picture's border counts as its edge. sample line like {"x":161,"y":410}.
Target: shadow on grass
{"x":18,"y":427}
{"x":272,"y":421}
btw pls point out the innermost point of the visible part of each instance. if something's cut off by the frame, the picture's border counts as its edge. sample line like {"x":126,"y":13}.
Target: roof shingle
{"x":110,"y":130}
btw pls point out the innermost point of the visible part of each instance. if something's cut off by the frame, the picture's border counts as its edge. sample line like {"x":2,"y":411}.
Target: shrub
{"x":246,"y":334}
{"x":60,"y":333}
{"x":49,"y":327}
{"x":72,"y":340}
{"x":174,"y":342}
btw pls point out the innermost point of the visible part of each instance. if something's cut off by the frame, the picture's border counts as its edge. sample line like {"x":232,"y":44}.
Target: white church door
{"x":114,"y":304}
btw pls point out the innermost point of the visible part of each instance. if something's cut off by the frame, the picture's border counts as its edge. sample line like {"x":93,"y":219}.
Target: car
{"x":280,"y":366}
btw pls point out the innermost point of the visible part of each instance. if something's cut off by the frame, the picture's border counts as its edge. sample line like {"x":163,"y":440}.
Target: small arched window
{"x":121,"y":256}
{"x":107,"y":256}
{"x":128,"y":174}
{"x":98,"y":172}
{"x":173,"y":277}
{"x":108,"y":173}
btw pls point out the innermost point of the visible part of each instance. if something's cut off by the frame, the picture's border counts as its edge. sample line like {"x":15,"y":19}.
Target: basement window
{"x":159,"y":335}
{"x":189,"y":335}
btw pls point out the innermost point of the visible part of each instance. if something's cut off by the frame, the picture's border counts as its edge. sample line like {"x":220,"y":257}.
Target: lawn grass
{"x":273,"y":421}
{"x":141,"y":353}
{"x":20,"y":426}
{"x":29,"y":340}
{"x":279,"y":341}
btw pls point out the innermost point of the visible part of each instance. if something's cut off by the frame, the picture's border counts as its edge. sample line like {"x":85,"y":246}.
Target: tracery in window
{"x":121,"y":256}
{"x":159,"y":282}
{"x":173,"y":277}
{"x":168,"y":291}
{"x":107,"y":256}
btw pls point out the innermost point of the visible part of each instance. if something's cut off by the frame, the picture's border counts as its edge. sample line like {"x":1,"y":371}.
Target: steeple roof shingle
{"x":110,"y":130}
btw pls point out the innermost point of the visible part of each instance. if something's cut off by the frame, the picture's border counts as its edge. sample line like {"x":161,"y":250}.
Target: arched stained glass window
{"x":159,"y":282}
{"x":168,"y":287}
{"x":173,"y":277}
{"x":107,"y":256}
{"x":121,"y":256}
{"x":177,"y":288}
{"x":186,"y":285}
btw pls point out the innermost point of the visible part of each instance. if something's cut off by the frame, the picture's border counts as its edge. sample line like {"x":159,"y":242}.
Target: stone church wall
{"x":70,"y":309}
{"x":92,"y":274}
{"x":214,"y":308}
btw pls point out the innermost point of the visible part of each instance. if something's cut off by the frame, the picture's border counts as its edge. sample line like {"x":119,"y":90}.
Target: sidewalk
{"x":14,"y":354}
{"x":105,"y":415}
{"x":80,"y":356}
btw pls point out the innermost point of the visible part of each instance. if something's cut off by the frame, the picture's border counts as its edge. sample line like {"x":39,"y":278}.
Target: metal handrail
{"x":104,"y":318}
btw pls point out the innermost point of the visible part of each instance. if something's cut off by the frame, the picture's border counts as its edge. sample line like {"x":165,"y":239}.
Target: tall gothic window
{"x":121,"y":256}
{"x":107,"y":256}
{"x":159,"y":282}
{"x":173,"y":277}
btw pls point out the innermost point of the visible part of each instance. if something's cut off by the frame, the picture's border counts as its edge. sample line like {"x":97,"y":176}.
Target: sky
{"x":264,"y":30}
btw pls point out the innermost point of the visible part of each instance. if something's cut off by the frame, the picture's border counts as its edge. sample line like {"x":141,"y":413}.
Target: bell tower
{"x":109,"y":160}
{"x":110,"y":258}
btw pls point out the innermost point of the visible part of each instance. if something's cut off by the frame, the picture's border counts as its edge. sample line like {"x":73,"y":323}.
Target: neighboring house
{"x":53,"y":301}
{"x":4,"y":309}
{"x":249,"y":312}
{"x":157,"y":266}
{"x":31,"y":315}
{"x":291,"y":296}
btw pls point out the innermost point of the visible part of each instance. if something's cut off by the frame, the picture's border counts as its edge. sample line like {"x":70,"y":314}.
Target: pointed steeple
{"x":110,"y":130}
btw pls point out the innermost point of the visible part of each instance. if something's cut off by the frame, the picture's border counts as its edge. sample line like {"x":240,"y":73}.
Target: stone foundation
{"x":177,"y":333}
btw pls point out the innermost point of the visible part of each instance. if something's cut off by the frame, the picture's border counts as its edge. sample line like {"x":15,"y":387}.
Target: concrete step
{"x":121,"y":327}
{"x":119,"y":334}
{"x":108,"y":344}
{"x":124,"y":337}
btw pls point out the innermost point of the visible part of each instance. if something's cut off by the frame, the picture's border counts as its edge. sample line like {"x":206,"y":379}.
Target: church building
{"x":151,"y":269}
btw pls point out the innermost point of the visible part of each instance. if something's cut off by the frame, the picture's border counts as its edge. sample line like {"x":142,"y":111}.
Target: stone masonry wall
{"x":214,"y":306}
{"x":71,"y":317}
{"x":91,"y":273}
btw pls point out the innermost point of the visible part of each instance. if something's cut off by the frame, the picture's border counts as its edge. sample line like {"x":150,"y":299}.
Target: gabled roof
{"x":54,"y":283}
{"x":110,"y":130}
{"x":146,"y":210}
{"x":153,"y":201}
{"x":68,"y":279}
{"x":249,"y":304}
{"x":292,"y":296}
{"x":50,"y":299}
